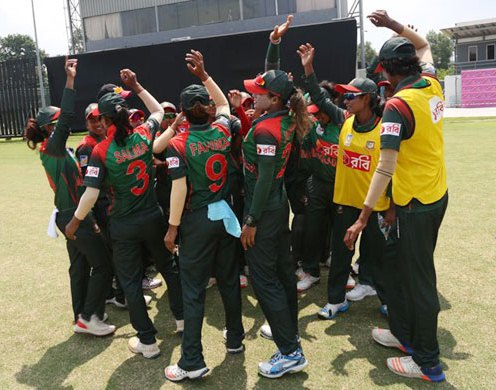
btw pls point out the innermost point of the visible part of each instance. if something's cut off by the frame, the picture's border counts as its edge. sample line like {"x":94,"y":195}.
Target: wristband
{"x":250,"y":221}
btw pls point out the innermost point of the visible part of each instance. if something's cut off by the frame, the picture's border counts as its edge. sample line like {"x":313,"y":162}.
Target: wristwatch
{"x":250,"y":221}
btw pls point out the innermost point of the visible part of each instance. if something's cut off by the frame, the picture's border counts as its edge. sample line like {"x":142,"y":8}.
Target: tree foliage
{"x":441,"y":47}
{"x":370,"y":53}
{"x":77,"y":47}
{"x":18,"y":46}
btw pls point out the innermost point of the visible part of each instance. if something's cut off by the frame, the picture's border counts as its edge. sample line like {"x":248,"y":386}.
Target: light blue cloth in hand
{"x":221,"y":210}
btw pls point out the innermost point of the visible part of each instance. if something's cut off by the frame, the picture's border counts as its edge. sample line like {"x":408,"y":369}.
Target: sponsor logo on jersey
{"x":370,"y":145}
{"x":391,"y":128}
{"x":172,"y":162}
{"x":360,"y":162}
{"x":266,"y":150}
{"x":437,"y":109}
{"x":83,"y":160}
{"x":319,"y":130}
{"x":92,"y":172}
{"x":347,"y":141}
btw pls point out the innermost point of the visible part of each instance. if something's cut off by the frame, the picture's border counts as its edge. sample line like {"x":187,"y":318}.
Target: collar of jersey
{"x":413,"y":81}
{"x":203,"y":126}
{"x":270,"y":115}
{"x":366,"y":127}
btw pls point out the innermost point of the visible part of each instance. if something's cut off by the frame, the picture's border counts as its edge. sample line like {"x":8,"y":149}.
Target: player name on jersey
{"x":206,"y":146}
{"x":135,"y":151}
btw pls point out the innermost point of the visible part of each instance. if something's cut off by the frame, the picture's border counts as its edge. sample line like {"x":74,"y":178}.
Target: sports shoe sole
{"x":428,"y":378}
{"x":361,"y":297}
{"x":341,"y":310}
{"x":196,"y":376}
{"x":235,"y":351}
{"x":80,"y":330}
{"x":400,"y":347}
{"x":146,"y":355}
{"x":266,"y":336}
{"x":313,"y":284}
{"x":291,"y":370}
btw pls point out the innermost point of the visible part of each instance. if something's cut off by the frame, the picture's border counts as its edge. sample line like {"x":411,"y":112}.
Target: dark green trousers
{"x":410,"y":277}
{"x":372,"y":243}
{"x":90,"y":270}
{"x":205,"y":245}
{"x":273,"y":277}
{"x":319,"y":217}
{"x":129,"y":236}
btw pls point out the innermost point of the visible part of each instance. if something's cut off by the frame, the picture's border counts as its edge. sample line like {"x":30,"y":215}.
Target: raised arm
{"x":272,"y":58}
{"x":196,"y":66}
{"x":307,"y":55}
{"x":380,"y":18}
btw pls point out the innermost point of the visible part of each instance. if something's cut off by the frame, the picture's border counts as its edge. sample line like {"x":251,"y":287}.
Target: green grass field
{"x":39,"y":349}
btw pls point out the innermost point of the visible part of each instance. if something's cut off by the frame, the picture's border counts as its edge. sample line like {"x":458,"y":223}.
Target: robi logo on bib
{"x":436,"y":106}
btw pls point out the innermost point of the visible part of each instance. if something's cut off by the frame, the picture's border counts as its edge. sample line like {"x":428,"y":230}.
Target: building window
{"x":102,"y":27}
{"x":139,"y":21}
{"x":258,"y":8}
{"x":472,"y":53}
{"x":312,"y":5}
{"x":490,"y":52}
{"x":286,"y":7}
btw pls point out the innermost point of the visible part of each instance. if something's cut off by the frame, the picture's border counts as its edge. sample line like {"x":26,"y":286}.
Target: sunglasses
{"x":169,"y":115}
{"x":351,"y":95}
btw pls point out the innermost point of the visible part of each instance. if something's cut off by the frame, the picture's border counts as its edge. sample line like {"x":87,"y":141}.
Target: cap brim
{"x":56,"y":115}
{"x":93,"y":112}
{"x":378,"y":68}
{"x":247,"y":99}
{"x":251,"y":87}
{"x":138,"y":112}
{"x":384,"y":83}
{"x":312,"y":109}
{"x":343,"y":88}
{"x":125,"y":94}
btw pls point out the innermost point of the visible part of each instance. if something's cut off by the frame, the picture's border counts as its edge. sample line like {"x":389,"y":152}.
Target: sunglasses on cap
{"x":169,"y":115}
{"x":352,"y":95}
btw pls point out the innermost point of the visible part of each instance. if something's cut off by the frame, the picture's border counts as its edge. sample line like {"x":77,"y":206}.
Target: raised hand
{"x":128,"y":78}
{"x":307,"y":54}
{"x":279,"y":31}
{"x":196,"y":64}
{"x":70,"y":67}
{"x":380,"y":18}
{"x":235,"y":98}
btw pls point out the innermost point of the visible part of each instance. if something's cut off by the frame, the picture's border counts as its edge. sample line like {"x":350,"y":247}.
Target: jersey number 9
{"x":216,"y":169}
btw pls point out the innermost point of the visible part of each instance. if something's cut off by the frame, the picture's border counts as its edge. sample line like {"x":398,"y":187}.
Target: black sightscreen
{"x":229,"y":60}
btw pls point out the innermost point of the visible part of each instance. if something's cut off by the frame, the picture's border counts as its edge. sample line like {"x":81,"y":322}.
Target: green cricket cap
{"x":395,"y":48}
{"x":193,"y":93}
{"x":274,"y":81}
{"x":109,"y":104}
{"x":48,"y":115}
{"x":358,"y":85}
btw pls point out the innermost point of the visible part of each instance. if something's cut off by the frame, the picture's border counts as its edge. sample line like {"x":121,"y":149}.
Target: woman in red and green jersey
{"x":266,"y":236}
{"x":358,"y":155}
{"x":90,"y":271}
{"x":123,"y":163}
{"x":412,"y":156}
{"x":197,"y":161}
{"x":319,"y":153}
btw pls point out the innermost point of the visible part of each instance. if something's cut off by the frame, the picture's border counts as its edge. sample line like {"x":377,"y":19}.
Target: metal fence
{"x":18,"y":95}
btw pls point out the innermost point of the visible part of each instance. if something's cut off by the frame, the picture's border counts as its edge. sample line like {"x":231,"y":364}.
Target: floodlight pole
{"x":40,"y":76}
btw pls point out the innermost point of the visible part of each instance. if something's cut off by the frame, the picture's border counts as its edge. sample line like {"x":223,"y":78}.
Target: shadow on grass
{"x":60,"y":360}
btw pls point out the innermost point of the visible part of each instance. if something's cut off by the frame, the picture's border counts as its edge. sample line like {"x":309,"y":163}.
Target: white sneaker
{"x":179,"y":326}
{"x":360,"y":291}
{"x":387,"y":339}
{"x":280,"y":364}
{"x":328,"y":312}
{"x":114,"y":301}
{"x":175,"y":373}
{"x":211,"y":282}
{"x":328,"y":261}
{"x":94,"y":326}
{"x":148,"y":351}
{"x":266,"y":332}
{"x":300,"y":273}
{"x":350,"y":283}
{"x":149,"y":283}
{"x":306,"y":282}
{"x":406,"y":366}
{"x":243,"y":281}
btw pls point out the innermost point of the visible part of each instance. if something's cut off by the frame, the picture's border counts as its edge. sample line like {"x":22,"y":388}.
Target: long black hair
{"x":402,"y":66}
{"x":34,"y":134}
{"x":123,"y":128}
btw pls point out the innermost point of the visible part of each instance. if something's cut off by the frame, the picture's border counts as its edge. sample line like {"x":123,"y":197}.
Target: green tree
{"x":78,"y":42}
{"x":370,"y":53}
{"x":442,"y":49}
{"x":17,"y":46}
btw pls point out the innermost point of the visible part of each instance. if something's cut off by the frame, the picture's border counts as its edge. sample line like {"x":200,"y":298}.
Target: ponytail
{"x":298,"y":107}
{"x":33,"y":134}
{"x":375,"y":105}
{"x":123,"y":128}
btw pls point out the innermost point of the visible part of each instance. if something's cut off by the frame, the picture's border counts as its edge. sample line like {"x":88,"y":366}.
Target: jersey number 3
{"x":216,"y":169}
{"x":140,"y":166}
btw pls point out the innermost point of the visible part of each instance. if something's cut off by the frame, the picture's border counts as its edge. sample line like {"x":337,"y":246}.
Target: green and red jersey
{"x":125,"y":170}
{"x":269,"y":139}
{"x":201,"y":155}
{"x":61,"y":166}
{"x":85,"y":148}
{"x":319,"y":151}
